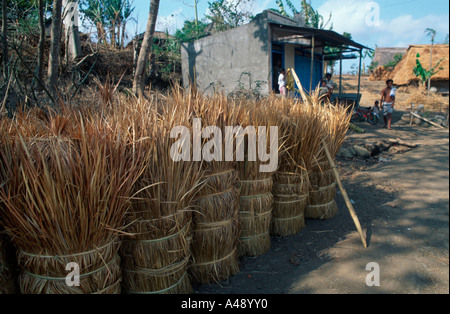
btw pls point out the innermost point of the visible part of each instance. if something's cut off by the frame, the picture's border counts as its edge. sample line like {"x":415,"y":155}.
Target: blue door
{"x":303,"y":70}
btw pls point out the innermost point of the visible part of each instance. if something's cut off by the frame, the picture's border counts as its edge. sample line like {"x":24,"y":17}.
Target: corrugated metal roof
{"x":331,"y":38}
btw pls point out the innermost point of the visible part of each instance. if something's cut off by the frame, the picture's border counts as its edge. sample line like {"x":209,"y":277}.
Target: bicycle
{"x":366,"y":115}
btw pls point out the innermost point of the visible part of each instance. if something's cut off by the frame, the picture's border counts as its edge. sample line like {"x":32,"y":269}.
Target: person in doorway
{"x":388,"y":103}
{"x":282,"y":82}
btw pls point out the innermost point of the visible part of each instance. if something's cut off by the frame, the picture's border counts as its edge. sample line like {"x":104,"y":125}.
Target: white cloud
{"x":402,"y":30}
{"x":170,"y":22}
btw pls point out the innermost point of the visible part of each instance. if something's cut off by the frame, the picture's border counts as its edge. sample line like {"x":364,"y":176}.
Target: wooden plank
{"x":426,"y":120}
{"x":401,"y":142}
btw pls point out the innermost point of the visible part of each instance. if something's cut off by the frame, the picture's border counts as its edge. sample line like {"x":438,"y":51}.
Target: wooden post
{"x":344,"y":194}
{"x":446,"y":118}
{"x":312,"y":65}
{"x":410,"y":115}
{"x":359,"y":79}
{"x":340,"y":73}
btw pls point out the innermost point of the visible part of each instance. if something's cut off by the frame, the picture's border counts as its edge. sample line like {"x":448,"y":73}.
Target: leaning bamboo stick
{"x":344,"y":194}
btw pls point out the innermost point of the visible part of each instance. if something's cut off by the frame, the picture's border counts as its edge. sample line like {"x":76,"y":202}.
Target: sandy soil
{"x":403,"y":207}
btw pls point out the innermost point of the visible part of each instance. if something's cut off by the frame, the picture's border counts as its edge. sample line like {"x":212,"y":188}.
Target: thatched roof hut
{"x":403,"y":72}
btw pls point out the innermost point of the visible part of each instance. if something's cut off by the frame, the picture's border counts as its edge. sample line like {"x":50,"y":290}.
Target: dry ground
{"x":403,"y":206}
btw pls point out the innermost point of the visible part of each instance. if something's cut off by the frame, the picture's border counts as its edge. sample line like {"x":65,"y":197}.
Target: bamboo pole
{"x":344,"y":194}
{"x":312,"y":65}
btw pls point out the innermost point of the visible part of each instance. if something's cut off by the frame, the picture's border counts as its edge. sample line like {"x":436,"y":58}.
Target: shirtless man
{"x":388,"y":103}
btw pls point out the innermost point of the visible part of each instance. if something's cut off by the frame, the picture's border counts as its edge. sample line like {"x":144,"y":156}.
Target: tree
{"x":55,"y":41}
{"x":312,"y":17}
{"x":425,"y":75}
{"x":227,"y":14}
{"x":432,"y":34}
{"x":41,"y":48}
{"x":5,"y":38}
{"x":139,"y":76}
{"x":94,"y":10}
{"x":109,"y":17}
{"x":192,"y":30}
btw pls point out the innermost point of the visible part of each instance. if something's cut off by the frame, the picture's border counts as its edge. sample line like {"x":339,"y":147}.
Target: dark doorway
{"x":277,"y":65}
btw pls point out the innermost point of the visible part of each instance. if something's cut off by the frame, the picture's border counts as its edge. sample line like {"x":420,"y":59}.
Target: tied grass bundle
{"x":302,"y":125}
{"x":157,"y":255}
{"x":335,"y":122}
{"x":256,"y":199}
{"x":65,"y":202}
{"x":216,"y":226}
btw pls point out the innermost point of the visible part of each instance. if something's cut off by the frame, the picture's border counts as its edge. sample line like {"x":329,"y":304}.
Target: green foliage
{"x":109,"y":16}
{"x":393,"y":63}
{"x":424,"y":74}
{"x":312,"y":17}
{"x":226,"y":14}
{"x":430,"y":33}
{"x":372,"y":66}
{"x":166,"y":58}
{"x":192,"y":30}
{"x":24,"y":15}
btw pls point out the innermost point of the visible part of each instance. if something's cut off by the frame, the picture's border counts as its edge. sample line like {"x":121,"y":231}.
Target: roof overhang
{"x":326,"y":37}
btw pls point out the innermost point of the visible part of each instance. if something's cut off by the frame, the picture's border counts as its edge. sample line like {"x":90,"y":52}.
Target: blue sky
{"x":401,"y":22}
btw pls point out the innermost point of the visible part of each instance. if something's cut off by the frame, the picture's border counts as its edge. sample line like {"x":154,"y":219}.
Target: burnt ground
{"x":403,"y":206}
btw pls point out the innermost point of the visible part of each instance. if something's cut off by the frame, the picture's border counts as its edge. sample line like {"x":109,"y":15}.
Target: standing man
{"x":388,"y":103}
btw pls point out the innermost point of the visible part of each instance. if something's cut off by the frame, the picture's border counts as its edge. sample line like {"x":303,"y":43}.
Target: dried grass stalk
{"x":290,"y":191}
{"x":322,"y":193}
{"x":255,"y":214}
{"x":156,"y":257}
{"x":216,"y":226}
{"x":65,"y":202}
{"x":216,"y":229}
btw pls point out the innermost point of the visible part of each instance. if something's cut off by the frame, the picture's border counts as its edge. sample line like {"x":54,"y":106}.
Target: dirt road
{"x":403,"y":207}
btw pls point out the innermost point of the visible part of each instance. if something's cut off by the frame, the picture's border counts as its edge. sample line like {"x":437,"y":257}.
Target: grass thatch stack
{"x":403,"y":73}
{"x":157,"y":256}
{"x":335,"y":121}
{"x":256,"y":198}
{"x":302,"y":126}
{"x":65,"y":202}
{"x":216,"y":222}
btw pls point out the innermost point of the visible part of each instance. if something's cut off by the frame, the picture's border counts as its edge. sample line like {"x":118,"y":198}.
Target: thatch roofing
{"x":403,"y":72}
{"x":383,"y":55}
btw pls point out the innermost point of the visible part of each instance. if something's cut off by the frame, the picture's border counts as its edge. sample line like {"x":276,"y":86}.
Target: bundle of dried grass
{"x":216,"y":220}
{"x":322,"y":193}
{"x":335,"y":121}
{"x":157,"y":256}
{"x":302,"y":126}
{"x":8,"y":282}
{"x":256,"y":199}
{"x":64,"y":206}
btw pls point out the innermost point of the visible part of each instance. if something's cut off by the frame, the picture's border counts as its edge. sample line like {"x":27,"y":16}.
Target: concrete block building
{"x":251,"y":56}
